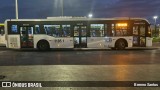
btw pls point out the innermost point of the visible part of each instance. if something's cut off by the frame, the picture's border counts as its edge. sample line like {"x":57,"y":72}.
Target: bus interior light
{"x":122,"y":24}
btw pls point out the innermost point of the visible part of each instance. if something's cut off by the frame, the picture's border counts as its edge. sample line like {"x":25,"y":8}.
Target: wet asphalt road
{"x":79,"y":57}
{"x":81,"y":65}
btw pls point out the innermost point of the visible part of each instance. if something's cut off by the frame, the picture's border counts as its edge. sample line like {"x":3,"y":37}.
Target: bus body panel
{"x":96,"y":42}
{"x":148,"y":41}
{"x":62,"y":42}
{"x":66,"y":42}
{"x":2,"y":40}
{"x":111,"y":43}
{"x":13,"y":41}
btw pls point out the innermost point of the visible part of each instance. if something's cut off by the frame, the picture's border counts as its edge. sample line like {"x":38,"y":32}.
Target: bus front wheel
{"x":43,"y":45}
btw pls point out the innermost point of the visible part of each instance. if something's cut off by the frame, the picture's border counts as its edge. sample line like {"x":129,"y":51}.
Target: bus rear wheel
{"x":120,"y":45}
{"x":43,"y":45}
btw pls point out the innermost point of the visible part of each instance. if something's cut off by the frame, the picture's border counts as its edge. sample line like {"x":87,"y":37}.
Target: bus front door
{"x":26,"y":37}
{"x":139,"y":34}
{"x":80,"y":36}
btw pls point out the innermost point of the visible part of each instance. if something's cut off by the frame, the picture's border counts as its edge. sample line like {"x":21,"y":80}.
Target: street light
{"x":16,"y":5}
{"x":90,"y":15}
{"x":155,"y":18}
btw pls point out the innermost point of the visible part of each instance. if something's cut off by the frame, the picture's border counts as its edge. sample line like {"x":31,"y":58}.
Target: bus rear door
{"x":26,"y":37}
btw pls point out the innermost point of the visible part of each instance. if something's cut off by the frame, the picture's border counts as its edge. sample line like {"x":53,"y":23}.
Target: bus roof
{"x":77,"y":19}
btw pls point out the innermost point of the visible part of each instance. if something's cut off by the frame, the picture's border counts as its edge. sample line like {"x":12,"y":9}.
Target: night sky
{"x":99,"y":8}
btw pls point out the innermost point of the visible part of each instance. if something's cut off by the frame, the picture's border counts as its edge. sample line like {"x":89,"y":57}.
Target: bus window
{"x":113,"y":30}
{"x":142,"y":30}
{"x":14,"y":29}
{"x":83,"y":31}
{"x":37,"y":29}
{"x":76,"y":31}
{"x":66,"y":30}
{"x":52,"y":30}
{"x":121,"y":29}
{"x":97,"y":30}
{"x":1,"y":30}
{"x":135,"y":30}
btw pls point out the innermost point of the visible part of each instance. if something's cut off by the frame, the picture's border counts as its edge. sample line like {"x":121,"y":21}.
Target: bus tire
{"x":43,"y":45}
{"x":121,"y":44}
{"x":113,"y":48}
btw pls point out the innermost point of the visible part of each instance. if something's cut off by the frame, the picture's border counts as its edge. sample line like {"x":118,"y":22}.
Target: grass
{"x":156,"y":39}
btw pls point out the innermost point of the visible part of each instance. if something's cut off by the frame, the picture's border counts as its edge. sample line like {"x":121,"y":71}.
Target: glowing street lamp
{"x":155,"y":18}
{"x":90,"y":15}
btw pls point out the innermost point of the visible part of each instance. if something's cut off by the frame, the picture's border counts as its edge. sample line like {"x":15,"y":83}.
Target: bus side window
{"x":66,"y":30}
{"x":52,"y":30}
{"x":97,"y":30}
{"x":113,"y":29}
{"x":37,"y":29}
{"x":14,"y":29}
{"x":135,"y":30}
{"x":142,"y":30}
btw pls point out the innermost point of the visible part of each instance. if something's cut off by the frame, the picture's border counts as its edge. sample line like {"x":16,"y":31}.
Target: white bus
{"x":102,"y":33}
{"x":2,"y":35}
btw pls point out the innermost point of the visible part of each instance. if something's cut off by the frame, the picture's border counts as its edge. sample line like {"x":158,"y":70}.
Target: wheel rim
{"x":121,"y":45}
{"x":43,"y":46}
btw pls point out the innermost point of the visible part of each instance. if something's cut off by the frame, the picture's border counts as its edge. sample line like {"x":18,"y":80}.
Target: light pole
{"x":16,"y":5}
{"x":155,"y":18}
{"x":62,"y":11}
